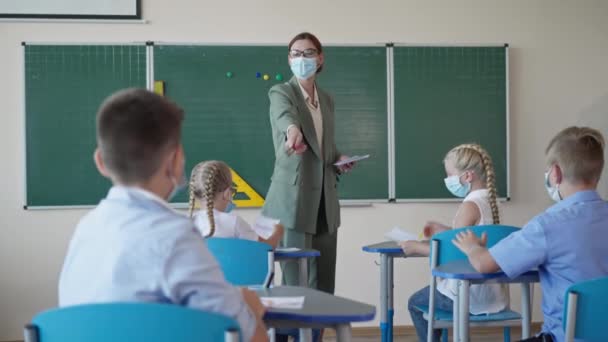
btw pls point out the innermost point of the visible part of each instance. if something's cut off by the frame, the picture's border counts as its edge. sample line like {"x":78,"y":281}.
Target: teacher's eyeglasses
{"x":306,"y":53}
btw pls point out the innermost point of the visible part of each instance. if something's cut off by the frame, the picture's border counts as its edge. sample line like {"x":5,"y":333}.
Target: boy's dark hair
{"x":135,"y":130}
{"x":579,"y":152}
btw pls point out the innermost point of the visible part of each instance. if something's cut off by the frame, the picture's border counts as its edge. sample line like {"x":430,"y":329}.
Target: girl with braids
{"x":211,"y":185}
{"x":470,"y":175}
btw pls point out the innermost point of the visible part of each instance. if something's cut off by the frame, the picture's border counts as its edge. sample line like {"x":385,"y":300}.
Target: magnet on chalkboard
{"x":258,"y":75}
{"x":159,"y":87}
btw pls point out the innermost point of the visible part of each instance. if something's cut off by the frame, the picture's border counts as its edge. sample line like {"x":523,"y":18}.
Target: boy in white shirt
{"x":133,"y":246}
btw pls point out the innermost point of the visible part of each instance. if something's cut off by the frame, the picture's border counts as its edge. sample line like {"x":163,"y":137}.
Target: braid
{"x":210,"y":196}
{"x":207,"y":180}
{"x":488,"y":174}
{"x":191,"y":202}
{"x":490,"y":178}
{"x":194,"y":189}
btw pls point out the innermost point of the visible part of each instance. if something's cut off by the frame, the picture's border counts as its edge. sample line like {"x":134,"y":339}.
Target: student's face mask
{"x":230,"y":207}
{"x":452,"y":183}
{"x":178,"y":185}
{"x":231,"y":204}
{"x":553,"y":191}
{"x":303,"y":68}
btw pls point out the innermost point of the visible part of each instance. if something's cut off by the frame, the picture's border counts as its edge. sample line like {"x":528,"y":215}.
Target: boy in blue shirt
{"x":567,"y":242}
{"x":133,"y":247}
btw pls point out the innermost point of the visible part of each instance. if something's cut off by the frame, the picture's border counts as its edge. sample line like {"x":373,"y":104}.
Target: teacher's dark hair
{"x":313,"y":39}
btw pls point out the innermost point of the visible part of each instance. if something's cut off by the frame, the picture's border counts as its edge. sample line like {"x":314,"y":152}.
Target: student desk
{"x":388,"y":251}
{"x":320,"y":310}
{"x":466,"y":275}
{"x":302,"y":255}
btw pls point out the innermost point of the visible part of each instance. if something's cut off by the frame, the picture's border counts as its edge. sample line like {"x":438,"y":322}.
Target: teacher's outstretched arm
{"x":284,"y":117}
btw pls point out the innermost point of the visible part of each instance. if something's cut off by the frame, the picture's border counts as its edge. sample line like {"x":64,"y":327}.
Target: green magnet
{"x":279,"y":77}
{"x":229,"y":74}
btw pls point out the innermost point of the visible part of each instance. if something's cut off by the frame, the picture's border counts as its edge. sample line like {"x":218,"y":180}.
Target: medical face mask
{"x":303,"y":68}
{"x":553,"y":191}
{"x":457,"y":189}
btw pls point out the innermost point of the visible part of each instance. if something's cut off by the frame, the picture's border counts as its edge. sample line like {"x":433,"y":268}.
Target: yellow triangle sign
{"x":254,"y":200}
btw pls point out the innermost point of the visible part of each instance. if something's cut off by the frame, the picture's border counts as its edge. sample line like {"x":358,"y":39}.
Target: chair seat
{"x":442,"y":315}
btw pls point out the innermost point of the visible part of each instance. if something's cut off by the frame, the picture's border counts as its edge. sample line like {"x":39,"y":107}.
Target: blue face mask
{"x":178,"y":186}
{"x":553,"y":191}
{"x":230,"y":207}
{"x":303,"y":68}
{"x":457,"y":189}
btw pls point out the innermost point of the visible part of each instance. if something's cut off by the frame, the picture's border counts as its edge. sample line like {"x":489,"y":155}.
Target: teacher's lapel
{"x":308,"y":127}
{"x":328,"y":127}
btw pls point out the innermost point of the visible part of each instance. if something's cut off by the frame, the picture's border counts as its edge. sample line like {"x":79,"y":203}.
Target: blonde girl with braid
{"x":211,"y":185}
{"x":470,"y":175}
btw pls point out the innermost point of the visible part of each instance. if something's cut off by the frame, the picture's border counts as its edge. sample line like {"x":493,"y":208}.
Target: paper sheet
{"x":398,"y":235}
{"x":287,"y":249}
{"x":351,"y":160}
{"x":264,"y":226}
{"x":293,"y":303}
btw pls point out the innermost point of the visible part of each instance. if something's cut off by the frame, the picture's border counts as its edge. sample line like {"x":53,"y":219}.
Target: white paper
{"x":264,"y":226}
{"x":287,"y":249}
{"x":351,"y":160}
{"x":293,"y":303}
{"x":397,"y":234}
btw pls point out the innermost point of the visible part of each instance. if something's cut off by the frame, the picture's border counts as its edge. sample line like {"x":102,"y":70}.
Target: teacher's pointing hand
{"x":295,"y":141}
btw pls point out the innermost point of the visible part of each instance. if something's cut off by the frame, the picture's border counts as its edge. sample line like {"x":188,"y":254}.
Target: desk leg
{"x":456,"y":314}
{"x":526,"y":311}
{"x":390,"y":304}
{"x":343,"y":333}
{"x":272,"y":335}
{"x":306,"y":335}
{"x":303,"y":278}
{"x":383,"y":296}
{"x":464,"y":310}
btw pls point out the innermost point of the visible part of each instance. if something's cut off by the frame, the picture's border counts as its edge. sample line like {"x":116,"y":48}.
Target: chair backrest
{"x":585,"y":306}
{"x":447,"y":251}
{"x":122,"y":322}
{"x":244,"y":262}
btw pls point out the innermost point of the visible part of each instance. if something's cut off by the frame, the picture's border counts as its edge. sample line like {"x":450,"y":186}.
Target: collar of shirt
{"x":118,"y":191}
{"x":307,"y":96}
{"x":581,"y":196}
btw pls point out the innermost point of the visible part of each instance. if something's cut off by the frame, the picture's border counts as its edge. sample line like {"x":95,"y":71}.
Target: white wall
{"x":558,"y":73}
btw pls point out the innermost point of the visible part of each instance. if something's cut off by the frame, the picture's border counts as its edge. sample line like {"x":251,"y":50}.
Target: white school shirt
{"x":227,"y":225}
{"x":315,"y":111}
{"x":134,"y":248}
{"x":483,"y":298}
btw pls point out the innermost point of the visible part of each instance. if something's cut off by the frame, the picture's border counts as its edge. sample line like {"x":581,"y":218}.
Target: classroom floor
{"x":486,"y":335}
{"x":485,"y":338}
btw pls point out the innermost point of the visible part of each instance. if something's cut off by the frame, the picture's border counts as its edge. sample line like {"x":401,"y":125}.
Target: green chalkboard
{"x":445,"y":96}
{"x":224,"y":94}
{"x":64,"y":86}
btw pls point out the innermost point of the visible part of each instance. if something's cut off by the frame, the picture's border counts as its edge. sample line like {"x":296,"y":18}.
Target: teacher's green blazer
{"x":294,"y":195}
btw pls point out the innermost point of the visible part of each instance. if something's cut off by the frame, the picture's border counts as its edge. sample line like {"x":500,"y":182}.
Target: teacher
{"x":303,"y":191}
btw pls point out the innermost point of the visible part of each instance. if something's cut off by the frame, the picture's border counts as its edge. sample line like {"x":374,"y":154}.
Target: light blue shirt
{"x":134,"y":248}
{"x":568,"y":245}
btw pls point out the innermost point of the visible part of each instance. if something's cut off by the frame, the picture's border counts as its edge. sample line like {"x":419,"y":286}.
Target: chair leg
{"x":507,"y":334}
{"x":444,"y":335}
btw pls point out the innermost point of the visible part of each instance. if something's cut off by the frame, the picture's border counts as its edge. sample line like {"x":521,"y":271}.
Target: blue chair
{"x":443,"y":251}
{"x":585,"y":307}
{"x":129,"y":322}
{"x":244,"y":262}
